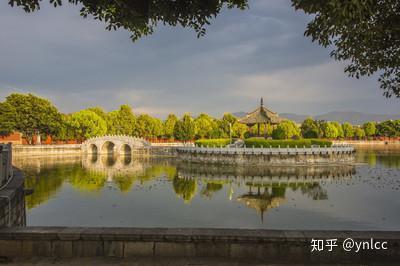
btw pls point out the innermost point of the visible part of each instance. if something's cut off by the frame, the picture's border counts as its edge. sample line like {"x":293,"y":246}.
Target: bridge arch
{"x":93,"y":149}
{"x":113,"y":145}
{"x":108,"y":147}
{"x":125,"y":149}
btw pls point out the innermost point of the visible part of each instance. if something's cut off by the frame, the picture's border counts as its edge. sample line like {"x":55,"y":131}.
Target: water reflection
{"x":167,"y":193}
{"x":383,"y":155}
{"x":266,"y":187}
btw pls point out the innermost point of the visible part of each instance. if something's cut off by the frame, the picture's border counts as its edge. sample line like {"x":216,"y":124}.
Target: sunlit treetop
{"x":140,"y":17}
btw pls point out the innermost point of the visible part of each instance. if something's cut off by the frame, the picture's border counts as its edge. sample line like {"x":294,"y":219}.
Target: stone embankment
{"x":261,"y":246}
{"x":12,"y":201}
{"x":75,"y":150}
{"x":44,"y":150}
{"x":268,"y":156}
{"x":357,"y":143}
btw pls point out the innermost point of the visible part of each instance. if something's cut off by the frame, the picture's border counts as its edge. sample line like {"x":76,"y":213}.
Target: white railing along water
{"x":270,"y":150}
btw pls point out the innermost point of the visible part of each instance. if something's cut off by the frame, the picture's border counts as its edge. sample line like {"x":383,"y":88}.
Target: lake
{"x":163,"y":192}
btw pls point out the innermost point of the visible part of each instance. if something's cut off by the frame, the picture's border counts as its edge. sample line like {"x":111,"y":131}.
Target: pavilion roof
{"x":261,"y":115}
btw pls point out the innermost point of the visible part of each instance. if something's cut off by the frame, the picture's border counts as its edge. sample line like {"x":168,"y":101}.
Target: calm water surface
{"x":124,"y":191}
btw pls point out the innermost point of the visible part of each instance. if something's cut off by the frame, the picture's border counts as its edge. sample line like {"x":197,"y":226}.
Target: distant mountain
{"x":295,"y":117}
{"x":355,"y":118}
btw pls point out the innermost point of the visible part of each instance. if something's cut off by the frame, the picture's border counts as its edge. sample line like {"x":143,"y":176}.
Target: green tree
{"x":369,"y":128}
{"x":227,"y":121}
{"x":148,"y":127}
{"x":348,"y":130}
{"x":158,"y":128}
{"x":7,"y":119}
{"x":30,"y":114}
{"x":389,"y":128}
{"x":329,"y":130}
{"x":87,"y":124}
{"x":169,"y":125}
{"x":121,"y":122}
{"x":218,"y":131}
{"x":365,"y":33}
{"x":359,"y":133}
{"x":99,"y":111}
{"x":309,"y":129}
{"x":286,"y":130}
{"x":239,"y":130}
{"x":66,"y":130}
{"x":204,"y":125}
{"x":185,"y":128}
{"x":339,"y":129}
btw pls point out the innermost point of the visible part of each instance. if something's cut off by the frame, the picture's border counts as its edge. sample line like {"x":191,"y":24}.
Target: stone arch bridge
{"x":113,"y":144}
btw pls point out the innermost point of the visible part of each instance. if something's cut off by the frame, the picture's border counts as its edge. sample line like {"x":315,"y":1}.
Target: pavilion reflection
{"x":263,"y":201}
{"x":266,"y":186}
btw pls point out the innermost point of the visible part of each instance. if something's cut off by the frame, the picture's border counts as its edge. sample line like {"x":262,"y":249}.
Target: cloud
{"x":261,"y":51}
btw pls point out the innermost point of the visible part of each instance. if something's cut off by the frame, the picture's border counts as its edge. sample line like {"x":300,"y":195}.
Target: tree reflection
{"x":46,"y":183}
{"x":210,"y":188}
{"x":185,"y":188}
{"x":386,"y":156}
{"x":88,"y":181}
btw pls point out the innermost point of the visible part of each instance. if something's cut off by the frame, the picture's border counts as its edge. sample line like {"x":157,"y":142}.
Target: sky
{"x":259,"y":52}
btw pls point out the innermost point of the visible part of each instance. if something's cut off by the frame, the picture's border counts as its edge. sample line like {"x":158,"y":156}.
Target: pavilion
{"x":261,"y":115}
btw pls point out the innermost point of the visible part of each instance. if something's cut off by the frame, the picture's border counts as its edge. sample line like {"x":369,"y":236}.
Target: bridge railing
{"x":6,"y":170}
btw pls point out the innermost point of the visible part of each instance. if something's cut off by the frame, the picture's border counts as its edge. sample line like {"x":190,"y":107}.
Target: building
{"x":261,"y":115}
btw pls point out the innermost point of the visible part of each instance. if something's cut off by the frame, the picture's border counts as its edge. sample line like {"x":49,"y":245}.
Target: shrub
{"x":261,"y":142}
{"x":212,"y":142}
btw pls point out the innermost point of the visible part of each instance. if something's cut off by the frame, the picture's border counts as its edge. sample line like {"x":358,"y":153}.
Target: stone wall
{"x":265,"y":156}
{"x":75,"y":150}
{"x":12,"y":202}
{"x":260,"y":246}
{"x":40,"y":150}
{"x":168,"y":151}
{"x":369,"y":142}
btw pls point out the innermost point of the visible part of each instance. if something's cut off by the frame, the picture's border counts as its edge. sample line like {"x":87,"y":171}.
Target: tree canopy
{"x":185,"y":128}
{"x":365,"y":33}
{"x":121,"y":122}
{"x":29,"y":115}
{"x":309,"y":128}
{"x":140,"y":17}
{"x":87,"y":124}
{"x":286,"y":130}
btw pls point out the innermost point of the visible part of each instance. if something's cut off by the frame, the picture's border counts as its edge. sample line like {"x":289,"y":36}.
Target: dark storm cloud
{"x":245,"y":54}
